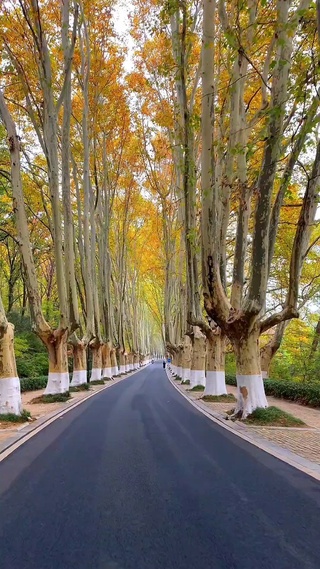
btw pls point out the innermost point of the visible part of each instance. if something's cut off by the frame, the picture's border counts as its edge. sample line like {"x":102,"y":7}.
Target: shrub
{"x":52,"y":398}
{"x":219,"y":398}
{"x":12,"y":418}
{"x":273,"y":416}
{"x":33,"y":383}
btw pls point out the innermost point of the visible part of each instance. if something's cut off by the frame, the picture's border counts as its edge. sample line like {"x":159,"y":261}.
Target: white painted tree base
{"x":127,"y":368}
{"x":10,"y":396}
{"x":185,"y":374}
{"x":115,"y":371}
{"x":95,"y":374}
{"x":107,"y":373}
{"x":79,"y":377}
{"x":264,"y":374}
{"x":179,"y":371}
{"x":122,"y":369}
{"x":58,"y":382}
{"x":197,"y":377}
{"x":215,"y":383}
{"x":250,"y":394}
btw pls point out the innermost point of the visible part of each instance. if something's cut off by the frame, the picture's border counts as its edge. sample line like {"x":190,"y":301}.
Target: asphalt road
{"x":136,"y":478}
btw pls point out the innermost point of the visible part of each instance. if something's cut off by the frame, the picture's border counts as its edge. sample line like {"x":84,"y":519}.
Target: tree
{"x":241,"y":317}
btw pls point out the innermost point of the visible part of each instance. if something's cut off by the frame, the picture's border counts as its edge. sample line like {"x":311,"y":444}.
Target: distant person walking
{"x":164,"y":364}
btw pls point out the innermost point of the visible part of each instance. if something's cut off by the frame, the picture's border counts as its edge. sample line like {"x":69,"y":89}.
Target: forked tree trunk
{"x":79,"y":376}
{"x":198,"y":374}
{"x":58,"y":379}
{"x":186,"y":359}
{"x":215,"y":375}
{"x":250,"y":388}
{"x":114,"y":364}
{"x":106,"y":361}
{"x":10,"y":396}
{"x":96,"y":371}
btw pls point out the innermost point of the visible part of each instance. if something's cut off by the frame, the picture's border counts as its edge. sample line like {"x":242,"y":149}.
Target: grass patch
{"x":273,"y":416}
{"x":97,"y":382}
{"x":186,"y":382}
{"x":57,"y":398}
{"x":12,"y":418}
{"x":197,"y":388}
{"x":229,"y":398}
{"x":177,"y":378}
{"x":82,"y":387}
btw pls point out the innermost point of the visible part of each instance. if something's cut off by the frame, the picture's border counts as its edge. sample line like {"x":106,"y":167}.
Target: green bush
{"x":231,"y":380}
{"x":33,"y":383}
{"x":303,"y":393}
{"x":32,"y":365}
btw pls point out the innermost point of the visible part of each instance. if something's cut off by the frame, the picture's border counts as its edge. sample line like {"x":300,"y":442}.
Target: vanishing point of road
{"x":136,"y":478}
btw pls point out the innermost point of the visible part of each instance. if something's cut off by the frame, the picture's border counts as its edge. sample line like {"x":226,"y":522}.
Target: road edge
{"x":13,"y":443}
{"x":287,"y":456}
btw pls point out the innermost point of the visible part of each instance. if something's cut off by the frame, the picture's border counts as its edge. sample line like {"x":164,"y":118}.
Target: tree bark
{"x":215,"y":374}
{"x":96,"y":350}
{"x":250,"y":389}
{"x":58,"y":379}
{"x":79,"y":376}
{"x":114,"y":363}
{"x":186,"y":358}
{"x":106,"y":361}
{"x":197,"y":373}
{"x":10,"y":396}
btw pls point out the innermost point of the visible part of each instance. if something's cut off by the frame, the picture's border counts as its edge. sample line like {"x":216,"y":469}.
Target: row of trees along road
{"x":175,"y":202}
{"x":228,"y":107}
{"x":75,"y":191}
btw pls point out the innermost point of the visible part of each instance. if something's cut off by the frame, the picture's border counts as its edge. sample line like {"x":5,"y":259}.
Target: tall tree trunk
{"x":58,"y":379}
{"x":250,"y":389}
{"x":114,"y":363}
{"x":106,"y":361}
{"x":96,"y":370}
{"x":215,"y":374}
{"x":186,"y":358}
{"x":122,"y":360}
{"x":10,"y":396}
{"x":79,"y":375}
{"x":197,"y":374}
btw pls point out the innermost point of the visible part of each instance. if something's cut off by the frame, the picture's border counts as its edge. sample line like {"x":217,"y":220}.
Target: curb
{"x":14,"y":442}
{"x":298,"y":462}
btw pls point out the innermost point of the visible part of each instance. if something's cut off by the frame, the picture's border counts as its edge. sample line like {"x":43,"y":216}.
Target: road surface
{"x":136,"y":478}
